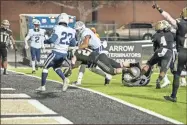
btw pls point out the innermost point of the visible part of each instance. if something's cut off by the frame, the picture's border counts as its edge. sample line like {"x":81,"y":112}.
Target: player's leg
{"x":33,"y":58}
{"x":152,"y":61}
{"x":105,"y":64}
{"x":80,"y":75}
{"x":4,"y":60}
{"x":182,"y":59}
{"x":38,"y":53}
{"x":57,"y":68}
{"x":49,"y":62}
{"x":165,"y":64}
{"x":100,"y":72}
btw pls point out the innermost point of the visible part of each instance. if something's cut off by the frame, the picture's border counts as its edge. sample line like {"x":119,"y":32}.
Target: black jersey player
{"x":6,"y":35}
{"x":163,"y":43}
{"x":181,"y":40}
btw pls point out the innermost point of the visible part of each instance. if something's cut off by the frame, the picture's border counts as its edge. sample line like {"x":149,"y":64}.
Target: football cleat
{"x":77,"y":82}
{"x":41,"y":88}
{"x":65,"y":84}
{"x":33,"y":72}
{"x":107,"y":81}
{"x":158,"y":86}
{"x":165,"y":84}
{"x":5,"y":73}
{"x":169,"y":98}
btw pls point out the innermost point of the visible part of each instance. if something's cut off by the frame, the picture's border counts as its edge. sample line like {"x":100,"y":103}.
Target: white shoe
{"x":77,"y":82}
{"x":183,"y":82}
{"x":65,"y":84}
{"x":41,"y":88}
{"x":165,"y":84}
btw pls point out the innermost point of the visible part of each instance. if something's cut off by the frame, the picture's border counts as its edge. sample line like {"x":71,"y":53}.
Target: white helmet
{"x":36,"y":23}
{"x":63,"y":18}
{"x":79,"y":26}
{"x":5,"y":24}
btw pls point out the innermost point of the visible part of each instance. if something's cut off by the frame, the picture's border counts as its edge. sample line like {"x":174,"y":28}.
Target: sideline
{"x":115,"y":99}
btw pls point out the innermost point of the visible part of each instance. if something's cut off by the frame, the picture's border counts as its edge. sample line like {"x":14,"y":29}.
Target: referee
{"x":6,"y":36}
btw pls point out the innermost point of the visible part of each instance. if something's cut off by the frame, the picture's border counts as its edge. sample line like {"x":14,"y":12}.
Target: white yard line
{"x":41,"y":107}
{"x":59,"y":119}
{"x":21,"y":95}
{"x":37,"y":105}
{"x":8,"y":89}
{"x":118,"y":100}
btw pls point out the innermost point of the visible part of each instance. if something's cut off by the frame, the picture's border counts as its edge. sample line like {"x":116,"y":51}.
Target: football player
{"x":163,"y":43}
{"x":87,"y":39}
{"x":6,"y":36}
{"x":62,"y":39}
{"x":37,"y":37}
{"x":94,"y":59}
{"x":181,"y":40}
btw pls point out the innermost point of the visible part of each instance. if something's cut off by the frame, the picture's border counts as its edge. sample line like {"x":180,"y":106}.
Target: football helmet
{"x":63,"y":18}
{"x":79,"y":26}
{"x":5,"y":24}
{"x":36,"y":23}
{"x":131,"y":77}
{"x":184,"y":13}
{"x":167,"y":25}
{"x":160,"y":25}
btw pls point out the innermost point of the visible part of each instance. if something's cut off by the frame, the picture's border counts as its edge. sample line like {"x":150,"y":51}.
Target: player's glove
{"x":155,"y":6}
{"x":26,"y":46}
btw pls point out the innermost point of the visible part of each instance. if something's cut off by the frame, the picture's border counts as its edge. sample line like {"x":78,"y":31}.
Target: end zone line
{"x":8,"y":89}
{"x":115,"y":99}
{"x":59,"y":119}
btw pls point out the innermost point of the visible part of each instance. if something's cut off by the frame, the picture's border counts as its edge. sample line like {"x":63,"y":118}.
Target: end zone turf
{"x":147,"y":97}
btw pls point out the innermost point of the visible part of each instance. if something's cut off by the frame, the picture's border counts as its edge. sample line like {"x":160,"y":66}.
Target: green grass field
{"x":147,"y":97}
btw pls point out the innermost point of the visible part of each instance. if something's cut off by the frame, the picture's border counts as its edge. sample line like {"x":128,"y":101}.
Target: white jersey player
{"x":62,"y":39}
{"x":87,"y":39}
{"x":36,"y":37}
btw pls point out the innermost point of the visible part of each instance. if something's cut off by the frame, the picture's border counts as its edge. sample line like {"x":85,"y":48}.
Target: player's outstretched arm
{"x":166,"y":15}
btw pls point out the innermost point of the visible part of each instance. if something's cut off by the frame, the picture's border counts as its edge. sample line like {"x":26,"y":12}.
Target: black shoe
{"x":33,"y":72}
{"x":36,"y":67}
{"x":158,"y":86}
{"x":169,"y":98}
{"x":107,"y":81}
{"x":5,"y":73}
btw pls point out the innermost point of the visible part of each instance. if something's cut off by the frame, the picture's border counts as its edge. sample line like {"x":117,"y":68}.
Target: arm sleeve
{"x":168,"y":17}
{"x":52,"y":39}
{"x":73,"y":42}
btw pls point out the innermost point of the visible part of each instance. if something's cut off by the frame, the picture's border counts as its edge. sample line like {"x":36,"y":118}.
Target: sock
{"x":183,"y":80}
{"x":44,"y":77}
{"x":166,"y":78}
{"x":159,"y":80}
{"x":4,"y":71}
{"x":80,"y":76}
{"x":33,"y":65}
{"x":175,"y":85}
{"x":60,"y":73}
